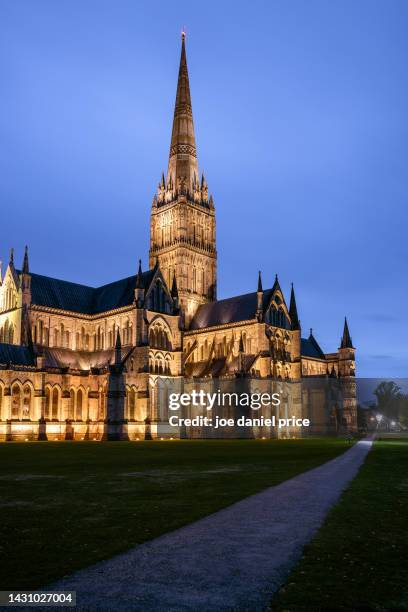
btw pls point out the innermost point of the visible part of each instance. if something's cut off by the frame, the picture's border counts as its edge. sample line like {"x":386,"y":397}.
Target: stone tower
{"x":347,"y":369}
{"x":182,"y":226}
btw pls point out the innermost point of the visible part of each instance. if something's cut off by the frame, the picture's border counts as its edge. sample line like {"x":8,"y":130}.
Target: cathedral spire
{"x":346,"y":338}
{"x":26,"y":269}
{"x":139,"y":281}
{"x":295,"y":323}
{"x":183,"y":166}
{"x":259,"y":298}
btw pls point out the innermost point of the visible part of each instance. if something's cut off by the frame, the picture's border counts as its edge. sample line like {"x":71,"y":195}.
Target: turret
{"x":139,"y":289}
{"x":346,"y":353}
{"x":241,"y":355}
{"x":346,"y":373}
{"x":346,"y":338}
{"x":295,"y":345}
{"x":294,"y":319}
{"x":118,"y":350}
{"x":259,"y":299}
{"x":26,"y":279}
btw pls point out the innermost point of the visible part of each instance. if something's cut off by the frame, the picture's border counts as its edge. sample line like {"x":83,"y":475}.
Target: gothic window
{"x":78,"y":407}
{"x":127,"y":333}
{"x":131,"y":404}
{"x":102,"y":403}
{"x":15,"y":401}
{"x":71,"y":406}
{"x":26,"y":402}
{"x":82,"y":339}
{"x":159,"y":338}
{"x":55,"y":404}
{"x":47,"y":411}
{"x":7,"y":333}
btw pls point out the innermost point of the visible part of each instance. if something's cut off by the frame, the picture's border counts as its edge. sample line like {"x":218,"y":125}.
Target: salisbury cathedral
{"x":84,"y":363}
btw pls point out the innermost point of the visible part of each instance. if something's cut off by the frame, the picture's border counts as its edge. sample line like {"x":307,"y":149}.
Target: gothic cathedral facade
{"x":79,"y":363}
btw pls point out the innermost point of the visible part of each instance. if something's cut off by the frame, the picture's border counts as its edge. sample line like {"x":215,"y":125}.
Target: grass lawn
{"x":66,"y":505}
{"x":358,"y":560}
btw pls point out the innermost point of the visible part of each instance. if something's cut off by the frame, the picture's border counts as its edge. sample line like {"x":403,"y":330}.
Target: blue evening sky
{"x":300,"y":108}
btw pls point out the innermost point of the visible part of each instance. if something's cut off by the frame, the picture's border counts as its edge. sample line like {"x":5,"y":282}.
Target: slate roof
{"x":64,"y":295}
{"x":17,"y":355}
{"x":230,"y":310}
{"x":79,"y":360}
{"x":310,"y":348}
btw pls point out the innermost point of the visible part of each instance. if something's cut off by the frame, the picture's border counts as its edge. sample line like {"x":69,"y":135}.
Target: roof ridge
{"x":61,"y":280}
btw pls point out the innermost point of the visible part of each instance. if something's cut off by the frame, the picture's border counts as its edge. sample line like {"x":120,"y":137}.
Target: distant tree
{"x":403,"y":410}
{"x":389,"y":396}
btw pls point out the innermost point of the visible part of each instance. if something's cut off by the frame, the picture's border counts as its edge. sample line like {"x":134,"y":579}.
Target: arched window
{"x":131,"y":404}
{"x":71,"y":405}
{"x":56,"y":337}
{"x":26,"y":402}
{"x":47,"y":411}
{"x":15,"y":401}
{"x":55,"y":404}
{"x":102,"y":403}
{"x":1,"y":403}
{"x":127,"y":333}
{"x":79,"y":402}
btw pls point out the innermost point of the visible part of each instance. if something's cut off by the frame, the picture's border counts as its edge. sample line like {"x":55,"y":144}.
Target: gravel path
{"x":234,"y":559}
